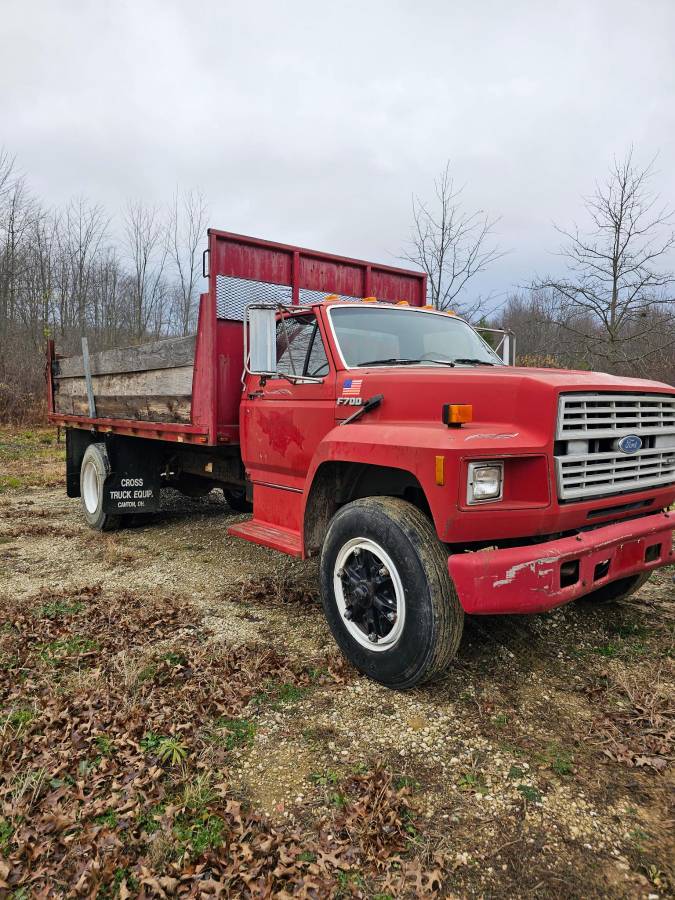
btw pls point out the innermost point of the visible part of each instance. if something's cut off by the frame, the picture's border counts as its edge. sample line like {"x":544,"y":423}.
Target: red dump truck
{"x":360,"y":424}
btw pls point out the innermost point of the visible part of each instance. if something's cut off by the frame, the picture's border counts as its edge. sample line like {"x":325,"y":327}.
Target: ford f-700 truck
{"x":360,"y":424}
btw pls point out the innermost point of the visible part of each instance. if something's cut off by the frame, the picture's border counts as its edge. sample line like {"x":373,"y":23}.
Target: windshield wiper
{"x":476,"y":362}
{"x":395,"y":360}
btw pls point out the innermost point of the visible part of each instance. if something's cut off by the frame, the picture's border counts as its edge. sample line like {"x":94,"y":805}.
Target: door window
{"x":300,"y":349}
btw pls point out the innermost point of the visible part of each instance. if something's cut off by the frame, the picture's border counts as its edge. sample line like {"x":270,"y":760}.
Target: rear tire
{"x":387,"y":594}
{"x":237,"y":501}
{"x":192,"y":486}
{"x":617,"y":590}
{"x":94,"y":470}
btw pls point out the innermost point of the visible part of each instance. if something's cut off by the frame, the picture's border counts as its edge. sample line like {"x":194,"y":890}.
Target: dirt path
{"x":541,"y":765}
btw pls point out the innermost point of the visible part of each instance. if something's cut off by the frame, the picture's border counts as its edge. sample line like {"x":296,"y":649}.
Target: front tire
{"x":94,"y":470}
{"x":387,"y":595}
{"x":617,"y":590}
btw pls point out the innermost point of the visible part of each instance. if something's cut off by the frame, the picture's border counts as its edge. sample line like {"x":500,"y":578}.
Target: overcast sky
{"x":314,"y":123}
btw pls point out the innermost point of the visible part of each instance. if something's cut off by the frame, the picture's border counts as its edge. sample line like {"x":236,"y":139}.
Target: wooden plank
{"x":158,"y":381}
{"x":169,"y":354}
{"x":143,"y":408}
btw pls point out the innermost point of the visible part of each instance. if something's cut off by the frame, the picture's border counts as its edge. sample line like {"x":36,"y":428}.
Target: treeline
{"x":65,"y":273}
{"x":550,"y":335}
{"x":69,"y":272}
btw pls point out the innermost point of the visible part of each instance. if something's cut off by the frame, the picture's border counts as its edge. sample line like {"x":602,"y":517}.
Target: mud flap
{"x":133,"y":485}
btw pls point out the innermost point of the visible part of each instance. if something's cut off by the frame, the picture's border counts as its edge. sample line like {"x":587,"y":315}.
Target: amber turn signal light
{"x":456,"y":414}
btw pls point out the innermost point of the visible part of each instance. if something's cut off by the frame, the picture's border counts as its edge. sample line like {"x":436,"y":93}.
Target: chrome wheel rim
{"x":369,"y":594}
{"x":90,"y":487}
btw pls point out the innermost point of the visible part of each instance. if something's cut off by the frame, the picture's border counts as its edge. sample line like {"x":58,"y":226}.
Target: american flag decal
{"x":351,"y":387}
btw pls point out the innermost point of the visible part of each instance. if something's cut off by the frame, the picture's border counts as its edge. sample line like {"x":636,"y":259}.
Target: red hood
{"x":510,"y":398}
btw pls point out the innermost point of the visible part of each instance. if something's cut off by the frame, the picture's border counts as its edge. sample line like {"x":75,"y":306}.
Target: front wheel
{"x":387,"y":594}
{"x":617,"y":590}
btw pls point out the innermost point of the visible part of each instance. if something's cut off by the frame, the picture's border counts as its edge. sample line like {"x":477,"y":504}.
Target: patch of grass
{"x":150,"y":742}
{"x":327,"y":778}
{"x":58,"y":609}
{"x":19,"y":718}
{"x":55,"y":652}
{"x":120,"y":877}
{"x":239,"y":732}
{"x":347,"y":880}
{"x":608,"y":650}
{"x":337,"y":799}
{"x":627,"y":630}
{"x":307,"y":856}
{"x":473,"y":782}
{"x":638,"y":836}
{"x":562,"y":762}
{"x":174,"y":659}
{"x":500,"y":720}
{"x":6,"y":834}
{"x":104,"y":745}
{"x":10,"y":483}
{"x":406,"y":781}
{"x":108,"y":818}
{"x":276,"y":694}
{"x":197,"y":834}
{"x":516,"y":772}
{"x":558,"y":759}
{"x":147,"y":820}
{"x":531,"y":794}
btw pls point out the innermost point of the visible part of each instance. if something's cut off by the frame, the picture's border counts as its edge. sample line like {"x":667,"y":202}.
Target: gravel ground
{"x":541,"y":763}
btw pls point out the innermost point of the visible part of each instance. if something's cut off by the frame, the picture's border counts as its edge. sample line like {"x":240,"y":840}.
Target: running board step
{"x":268,"y":536}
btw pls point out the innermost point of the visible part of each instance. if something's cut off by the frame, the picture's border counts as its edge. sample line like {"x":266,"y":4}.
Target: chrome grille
{"x":603,"y":415}
{"x":589,"y":462}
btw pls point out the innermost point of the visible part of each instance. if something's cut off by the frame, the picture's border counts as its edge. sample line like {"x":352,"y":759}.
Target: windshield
{"x":387,"y":336}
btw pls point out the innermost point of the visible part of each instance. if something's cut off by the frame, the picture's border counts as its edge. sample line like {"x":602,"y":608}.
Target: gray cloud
{"x":314,"y":123}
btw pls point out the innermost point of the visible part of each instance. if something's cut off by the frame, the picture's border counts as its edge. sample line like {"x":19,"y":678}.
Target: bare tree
{"x":82,"y":232}
{"x":187,"y":224}
{"x":617,"y":273}
{"x":450,"y":244}
{"x":147,"y":248}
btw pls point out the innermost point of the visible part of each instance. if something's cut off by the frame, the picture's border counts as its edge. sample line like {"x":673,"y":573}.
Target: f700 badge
{"x":349,"y":401}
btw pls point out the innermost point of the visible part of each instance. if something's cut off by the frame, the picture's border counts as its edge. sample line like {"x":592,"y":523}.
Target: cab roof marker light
{"x":370,"y":299}
{"x":402,"y":303}
{"x":457,"y":414}
{"x":330,"y":297}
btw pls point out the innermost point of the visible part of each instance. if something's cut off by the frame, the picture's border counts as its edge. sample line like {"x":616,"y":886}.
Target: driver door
{"x":282,"y":422}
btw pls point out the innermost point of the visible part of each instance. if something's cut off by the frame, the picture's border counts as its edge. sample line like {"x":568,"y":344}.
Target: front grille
{"x":603,"y":415}
{"x":589,"y":462}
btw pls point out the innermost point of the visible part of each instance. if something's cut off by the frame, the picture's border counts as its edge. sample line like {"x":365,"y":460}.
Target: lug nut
{"x":372,"y":637}
{"x":348,"y":615}
{"x":390,"y":617}
{"x":384,"y":571}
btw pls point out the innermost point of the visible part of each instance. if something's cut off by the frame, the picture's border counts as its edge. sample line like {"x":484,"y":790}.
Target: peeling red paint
{"x":527,"y":580}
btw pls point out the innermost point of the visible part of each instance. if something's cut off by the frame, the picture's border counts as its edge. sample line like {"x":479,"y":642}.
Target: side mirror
{"x":260,"y":335}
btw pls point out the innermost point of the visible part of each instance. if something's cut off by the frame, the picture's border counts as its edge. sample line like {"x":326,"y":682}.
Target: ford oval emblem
{"x":631,"y":443}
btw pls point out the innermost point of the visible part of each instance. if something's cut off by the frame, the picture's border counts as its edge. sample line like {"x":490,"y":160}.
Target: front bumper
{"x":528,"y":579}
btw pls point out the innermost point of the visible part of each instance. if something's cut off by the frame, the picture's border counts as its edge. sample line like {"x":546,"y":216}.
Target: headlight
{"x":485,"y":482}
